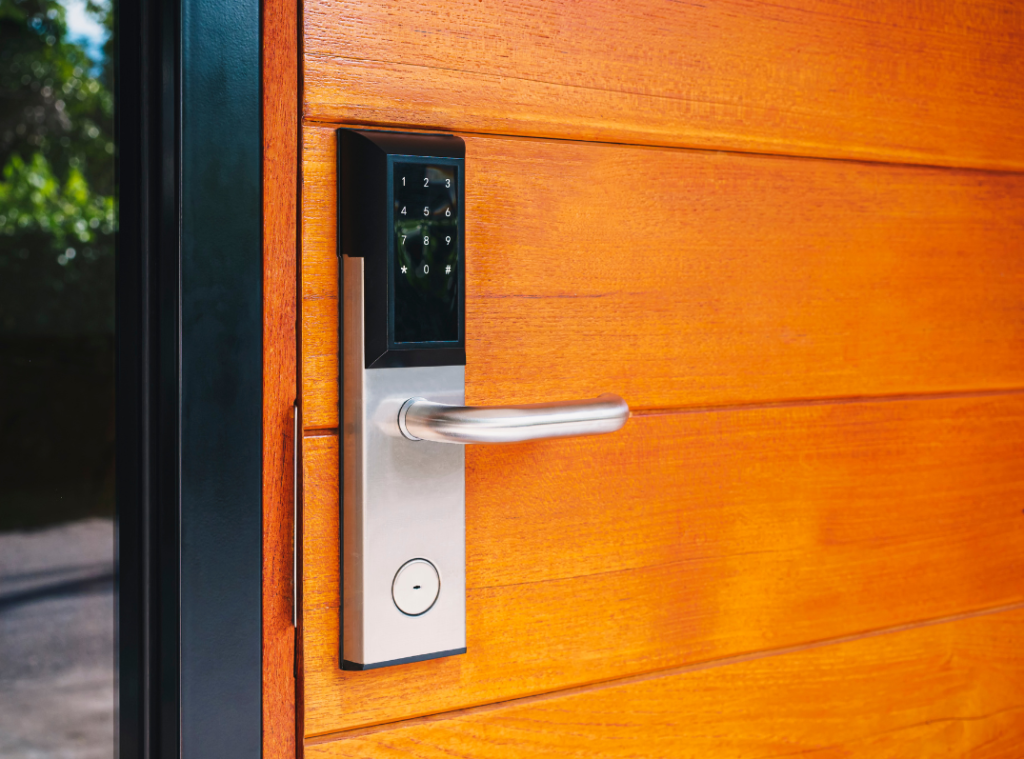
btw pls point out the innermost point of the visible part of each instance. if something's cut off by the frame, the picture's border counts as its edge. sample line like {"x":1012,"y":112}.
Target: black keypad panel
{"x":426,"y":262}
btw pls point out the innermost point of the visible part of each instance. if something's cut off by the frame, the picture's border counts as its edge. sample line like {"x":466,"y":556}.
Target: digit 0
{"x":426,"y":269}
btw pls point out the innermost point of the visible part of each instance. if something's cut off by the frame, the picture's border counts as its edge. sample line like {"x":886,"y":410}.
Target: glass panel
{"x":425,"y":209}
{"x":57,"y":224}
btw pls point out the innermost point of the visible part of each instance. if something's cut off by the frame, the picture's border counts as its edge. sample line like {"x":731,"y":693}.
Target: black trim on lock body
{"x":351,"y":666}
{"x":366,"y":230}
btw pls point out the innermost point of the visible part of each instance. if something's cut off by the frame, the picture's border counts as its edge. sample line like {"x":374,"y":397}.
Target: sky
{"x":84,"y":29}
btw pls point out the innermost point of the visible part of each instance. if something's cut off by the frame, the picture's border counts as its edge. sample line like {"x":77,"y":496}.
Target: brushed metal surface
{"x":400,"y":501}
{"x":416,"y":587}
{"x":420,"y":419}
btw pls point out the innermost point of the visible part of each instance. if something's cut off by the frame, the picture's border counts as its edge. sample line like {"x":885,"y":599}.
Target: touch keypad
{"x":425,"y":266}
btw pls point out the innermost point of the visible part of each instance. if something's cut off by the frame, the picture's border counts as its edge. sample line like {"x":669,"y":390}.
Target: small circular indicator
{"x":416,"y":587}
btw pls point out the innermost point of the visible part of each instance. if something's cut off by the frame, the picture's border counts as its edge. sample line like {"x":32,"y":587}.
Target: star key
{"x":404,"y":269}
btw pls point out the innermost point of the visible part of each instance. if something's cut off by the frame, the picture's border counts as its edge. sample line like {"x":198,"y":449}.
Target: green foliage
{"x":57,"y":209}
{"x":34,"y":201}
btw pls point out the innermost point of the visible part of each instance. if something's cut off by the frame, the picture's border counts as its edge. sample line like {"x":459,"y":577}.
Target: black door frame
{"x":189,"y":378}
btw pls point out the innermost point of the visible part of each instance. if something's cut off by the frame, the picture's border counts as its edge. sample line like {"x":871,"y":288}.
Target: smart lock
{"x":401,"y":243}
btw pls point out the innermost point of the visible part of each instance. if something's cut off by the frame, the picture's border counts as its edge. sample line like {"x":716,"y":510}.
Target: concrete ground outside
{"x":57,"y":689}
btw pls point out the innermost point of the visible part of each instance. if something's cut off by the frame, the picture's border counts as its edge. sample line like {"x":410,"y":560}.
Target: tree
{"x":57,"y":225}
{"x":57,"y":206}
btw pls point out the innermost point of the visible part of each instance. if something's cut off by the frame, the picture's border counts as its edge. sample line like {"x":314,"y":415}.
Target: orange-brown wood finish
{"x":950,"y":690}
{"x":933,"y":83}
{"x":680,"y":278}
{"x":279,"y":58}
{"x":692,"y":537}
{"x":825,"y":359}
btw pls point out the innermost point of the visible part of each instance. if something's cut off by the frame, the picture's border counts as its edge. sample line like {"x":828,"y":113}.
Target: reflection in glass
{"x":57,"y":225}
{"x":426,"y":275}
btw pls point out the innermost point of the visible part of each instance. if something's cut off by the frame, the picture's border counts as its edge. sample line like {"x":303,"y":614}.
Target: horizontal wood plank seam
{"x":654,"y":675}
{"x":320,"y":432}
{"x":384,"y":125}
{"x":832,"y":401}
{"x":789,"y":403}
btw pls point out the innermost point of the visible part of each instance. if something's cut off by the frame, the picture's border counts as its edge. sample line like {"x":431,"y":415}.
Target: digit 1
{"x":403,"y":181}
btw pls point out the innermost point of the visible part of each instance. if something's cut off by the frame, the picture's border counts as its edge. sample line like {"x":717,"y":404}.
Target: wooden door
{"x":792,"y":237}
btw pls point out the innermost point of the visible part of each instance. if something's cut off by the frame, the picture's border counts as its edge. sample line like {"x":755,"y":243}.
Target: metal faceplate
{"x":401,"y":500}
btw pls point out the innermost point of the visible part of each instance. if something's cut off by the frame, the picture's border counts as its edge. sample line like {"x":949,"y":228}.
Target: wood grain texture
{"x":279,"y":59}
{"x":899,"y":81}
{"x":951,"y":690}
{"x":679,"y":278}
{"x":689,"y":537}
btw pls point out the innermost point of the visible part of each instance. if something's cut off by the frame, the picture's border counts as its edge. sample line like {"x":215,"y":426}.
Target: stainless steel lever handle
{"x":420,"y":419}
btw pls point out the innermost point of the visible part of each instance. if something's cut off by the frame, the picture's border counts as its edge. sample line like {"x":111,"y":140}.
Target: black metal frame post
{"x":189,"y":382}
